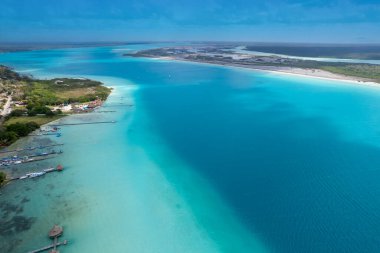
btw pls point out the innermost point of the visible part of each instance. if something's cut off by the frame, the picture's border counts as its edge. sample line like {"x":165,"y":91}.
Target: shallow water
{"x":208,"y":159}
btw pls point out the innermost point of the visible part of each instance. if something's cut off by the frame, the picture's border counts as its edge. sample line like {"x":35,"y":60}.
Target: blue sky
{"x":342,"y":21}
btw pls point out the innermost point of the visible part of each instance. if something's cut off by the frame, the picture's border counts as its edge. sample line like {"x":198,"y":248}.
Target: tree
{"x":3,"y":176}
{"x":49,"y":113}
{"x":22,"y":129}
{"x":32,"y":126}
{"x":7,"y":138}
{"x":18,"y":113}
{"x":32,"y":113}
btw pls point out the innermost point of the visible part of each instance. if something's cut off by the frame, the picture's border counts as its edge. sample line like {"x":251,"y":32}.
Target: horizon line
{"x":9,"y":43}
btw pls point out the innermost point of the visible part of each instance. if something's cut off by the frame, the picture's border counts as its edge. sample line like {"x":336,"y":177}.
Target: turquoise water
{"x":209,"y":159}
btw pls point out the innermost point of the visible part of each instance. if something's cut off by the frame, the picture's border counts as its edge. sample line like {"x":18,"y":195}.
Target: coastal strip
{"x":357,"y":73}
{"x":29,"y":104}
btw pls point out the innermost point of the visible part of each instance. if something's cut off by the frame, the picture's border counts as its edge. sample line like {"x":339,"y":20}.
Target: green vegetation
{"x":11,"y":83}
{"x":35,"y":99}
{"x":39,"y":119}
{"x":13,"y":132}
{"x":3,"y":176}
{"x":8,"y":74}
{"x":359,"y":70}
{"x":40,"y":94}
{"x":367,"y":71}
{"x":22,"y":129}
{"x":64,"y":91}
{"x":331,"y":51}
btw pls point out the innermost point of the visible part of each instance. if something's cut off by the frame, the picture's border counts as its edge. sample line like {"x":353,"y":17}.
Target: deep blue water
{"x":296,"y":159}
{"x":293,"y":178}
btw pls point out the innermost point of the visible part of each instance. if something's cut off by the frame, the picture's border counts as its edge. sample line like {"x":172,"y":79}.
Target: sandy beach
{"x":312,"y":73}
{"x":315,"y":73}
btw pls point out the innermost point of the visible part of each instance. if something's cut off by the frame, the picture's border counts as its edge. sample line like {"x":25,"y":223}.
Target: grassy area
{"x":40,"y":120}
{"x":341,"y":51}
{"x":362,"y":70}
{"x":16,"y":127}
{"x":37,"y":98}
{"x":64,"y":90}
{"x":3,"y":177}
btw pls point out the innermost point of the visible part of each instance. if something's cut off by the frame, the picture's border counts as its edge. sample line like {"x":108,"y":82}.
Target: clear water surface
{"x":208,"y":159}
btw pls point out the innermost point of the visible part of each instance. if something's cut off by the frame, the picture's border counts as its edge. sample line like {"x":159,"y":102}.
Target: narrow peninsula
{"x":229,"y":56}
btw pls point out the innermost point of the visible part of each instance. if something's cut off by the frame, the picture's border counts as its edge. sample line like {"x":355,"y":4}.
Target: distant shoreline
{"x":11,"y":48}
{"x":310,"y":73}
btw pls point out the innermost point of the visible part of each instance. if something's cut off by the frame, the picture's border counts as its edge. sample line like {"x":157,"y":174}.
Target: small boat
{"x":23,"y":177}
{"x":36,"y":174}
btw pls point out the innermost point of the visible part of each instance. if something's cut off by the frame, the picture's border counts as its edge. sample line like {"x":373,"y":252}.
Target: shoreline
{"x":84,"y":95}
{"x":26,"y":138}
{"x":300,"y":72}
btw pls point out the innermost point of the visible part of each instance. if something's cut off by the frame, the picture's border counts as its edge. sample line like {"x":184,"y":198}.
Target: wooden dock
{"x":47,"y":153}
{"x":27,"y":161}
{"x":103,"y":111}
{"x":29,"y":148}
{"x":86,"y":123}
{"x":51,"y":246}
{"x":116,"y":105}
{"x":59,"y":168}
{"x":32,"y":158}
{"x":54,"y":233}
{"x":46,"y":134}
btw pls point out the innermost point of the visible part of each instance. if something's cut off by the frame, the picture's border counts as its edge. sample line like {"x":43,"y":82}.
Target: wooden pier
{"x":27,"y":161}
{"x":116,"y":105}
{"x":51,"y":246}
{"x":86,"y":123}
{"x":59,"y":168}
{"x":31,"y":158}
{"x":54,"y":233}
{"x":47,"y":153}
{"x":103,"y":111}
{"x":29,"y":148}
{"x":46,"y":134}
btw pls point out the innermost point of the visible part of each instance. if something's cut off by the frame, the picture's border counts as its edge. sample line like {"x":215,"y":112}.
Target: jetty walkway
{"x":117,"y":105}
{"x":30,"y":148}
{"x":54,"y":233}
{"x":86,"y":123}
{"x":51,"y":246}
{"x":9,"y":161}
{"x":59,"y":168}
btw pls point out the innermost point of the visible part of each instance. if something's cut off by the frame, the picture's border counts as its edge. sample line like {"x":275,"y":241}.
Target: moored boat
{"x":36,"y":174}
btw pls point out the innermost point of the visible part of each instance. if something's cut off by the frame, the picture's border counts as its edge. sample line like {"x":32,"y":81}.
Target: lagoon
{"x":209,"y":159}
